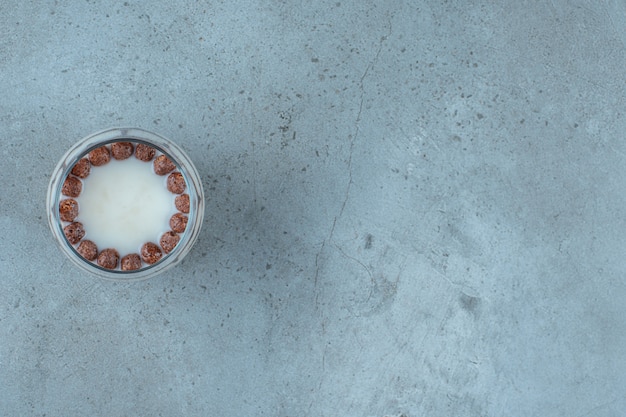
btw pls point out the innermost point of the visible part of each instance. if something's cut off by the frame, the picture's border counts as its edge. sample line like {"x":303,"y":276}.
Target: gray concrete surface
{"x":413,"y":208}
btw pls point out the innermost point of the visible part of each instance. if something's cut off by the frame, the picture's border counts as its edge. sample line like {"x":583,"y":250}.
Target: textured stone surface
{"x":413,"y":209}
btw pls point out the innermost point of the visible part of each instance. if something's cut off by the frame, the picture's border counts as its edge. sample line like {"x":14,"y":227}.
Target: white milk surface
{"x":124,"y":204}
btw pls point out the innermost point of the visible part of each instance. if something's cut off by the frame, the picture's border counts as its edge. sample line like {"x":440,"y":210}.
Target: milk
{"x":124,"y":204}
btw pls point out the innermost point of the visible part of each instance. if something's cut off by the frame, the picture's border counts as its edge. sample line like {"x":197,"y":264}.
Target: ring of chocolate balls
{"x":150,"y":252}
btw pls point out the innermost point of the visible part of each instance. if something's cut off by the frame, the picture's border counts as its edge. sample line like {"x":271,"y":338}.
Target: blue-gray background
{"x":413,"y":208}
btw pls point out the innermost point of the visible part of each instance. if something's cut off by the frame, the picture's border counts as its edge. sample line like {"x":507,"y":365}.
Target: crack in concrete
{"x":353,"y":138}
{"x":357,"y":123}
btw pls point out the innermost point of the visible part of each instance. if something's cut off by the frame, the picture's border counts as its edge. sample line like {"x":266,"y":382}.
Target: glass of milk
{"x":125,"y":207}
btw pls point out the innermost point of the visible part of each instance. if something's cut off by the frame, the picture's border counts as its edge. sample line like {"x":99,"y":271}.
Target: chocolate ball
{"x":121,"y":150}
{"x":150,"y":253}
{"x":168,"y":241}
{"x":108,"y":258}
{"x":81,"y":168}
{"x":176,"y":183}
{"x":182,"y":203}
{"x":163,"y":165}
{"x":68,"y":210}
{"x":88,"y":250}
{"x":72,"y":187}
{"x":99,"y":156}
{"x":74,"y":232}
{"x":131,"y":262}
{"x":178,"y":222}
{"x":144,"y":152}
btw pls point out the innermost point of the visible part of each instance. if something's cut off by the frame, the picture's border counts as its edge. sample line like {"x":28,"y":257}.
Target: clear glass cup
{"x":160,"y":144}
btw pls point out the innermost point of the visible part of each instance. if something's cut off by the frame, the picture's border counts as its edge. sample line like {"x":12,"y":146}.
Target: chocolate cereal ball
{"x":182,"y":203}
{"x":88,"y":250}
{"x":121,"y":150}
{"x":178,"y":222}
{"x":176,"y":183}
{"x":99,"y":156}
{"x":144,"y":152}
{"x":81,"y":168}
{"x":74,"y":232}
{"x":150,"y":253}
{"x":131,"y":262}
{"x":68,"y":210}
{"x":168,"y":241}
{"x":72,"y":187}
{"x":108,"y":258}
{"x":163,"y":165}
